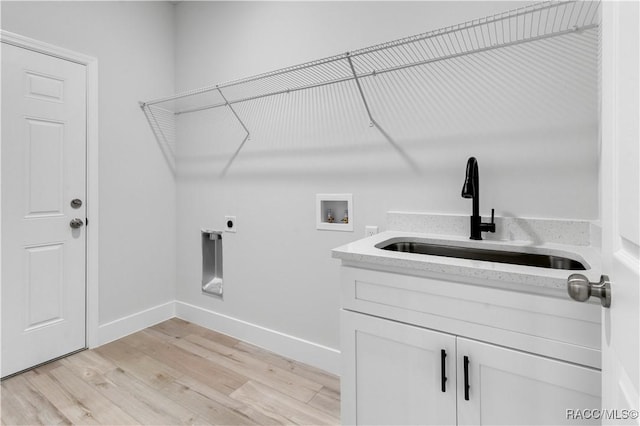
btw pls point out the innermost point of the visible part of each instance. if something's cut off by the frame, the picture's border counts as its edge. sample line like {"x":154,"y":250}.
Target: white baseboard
{"x":310,"y":353}
{"x":307,"y":352}
{"x":130,"y":324}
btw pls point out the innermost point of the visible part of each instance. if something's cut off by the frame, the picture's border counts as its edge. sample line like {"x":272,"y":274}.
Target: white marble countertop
{"x":363,"y":253}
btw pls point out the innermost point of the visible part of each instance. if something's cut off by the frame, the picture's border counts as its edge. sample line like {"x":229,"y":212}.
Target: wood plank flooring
{"x":169,"y":374}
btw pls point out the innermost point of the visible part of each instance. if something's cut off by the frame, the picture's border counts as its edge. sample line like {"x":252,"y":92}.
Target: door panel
{"x":44,"y":160}
{"x":395,"y":373}
{"x":620,"y":207}
{"x":43,"y":169}
{"x":44,"y":285}
{"x":508,"y":387}
{"x":44,"y":87}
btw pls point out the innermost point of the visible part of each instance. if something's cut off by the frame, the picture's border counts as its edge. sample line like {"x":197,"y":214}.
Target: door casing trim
{"x":91,"y":271}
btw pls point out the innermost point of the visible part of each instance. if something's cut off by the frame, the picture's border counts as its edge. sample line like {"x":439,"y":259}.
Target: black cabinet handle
{"x":466,"y":378}
{"x":443,"y":377}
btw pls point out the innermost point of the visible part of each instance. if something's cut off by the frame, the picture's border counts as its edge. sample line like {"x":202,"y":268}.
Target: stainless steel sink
{"x":500,"y":256}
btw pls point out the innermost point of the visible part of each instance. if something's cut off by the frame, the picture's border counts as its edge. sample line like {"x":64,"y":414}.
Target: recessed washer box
{"x":334,"y":212}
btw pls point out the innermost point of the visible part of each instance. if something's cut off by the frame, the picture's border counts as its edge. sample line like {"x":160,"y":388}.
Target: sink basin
{"x":499,"y":256}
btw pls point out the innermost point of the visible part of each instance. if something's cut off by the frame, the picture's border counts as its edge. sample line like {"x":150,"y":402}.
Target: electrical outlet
{"x":230,"y":223}
{"x":370,"y":230}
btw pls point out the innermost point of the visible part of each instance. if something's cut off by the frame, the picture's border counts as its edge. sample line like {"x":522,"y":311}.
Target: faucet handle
{"x":491,"y":227}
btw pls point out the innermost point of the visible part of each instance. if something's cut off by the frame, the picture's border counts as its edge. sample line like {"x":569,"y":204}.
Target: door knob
{"x":76,"y":223}
{"x":580,"y":289}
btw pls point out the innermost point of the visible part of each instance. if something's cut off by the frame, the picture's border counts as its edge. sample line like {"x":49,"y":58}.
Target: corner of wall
{"x":130,"y":324}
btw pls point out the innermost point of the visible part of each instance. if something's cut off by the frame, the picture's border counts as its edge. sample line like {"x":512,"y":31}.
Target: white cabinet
{"x":508,"y":387}
{"x":396,"y":373}
{"x":396,"y":352}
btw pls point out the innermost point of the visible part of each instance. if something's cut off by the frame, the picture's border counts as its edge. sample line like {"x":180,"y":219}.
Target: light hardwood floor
{"x":172,"y":373}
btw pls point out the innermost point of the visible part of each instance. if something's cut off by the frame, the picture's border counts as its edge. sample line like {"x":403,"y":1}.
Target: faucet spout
{"x":471,"y":189}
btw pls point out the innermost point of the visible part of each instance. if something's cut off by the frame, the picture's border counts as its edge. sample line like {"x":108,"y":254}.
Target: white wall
{"x":529,"y":116}
{"x":133,"y":42}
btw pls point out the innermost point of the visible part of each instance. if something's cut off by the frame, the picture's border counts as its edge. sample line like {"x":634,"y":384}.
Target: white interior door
{"x":620,"y":208}
{"x":43,"y":170}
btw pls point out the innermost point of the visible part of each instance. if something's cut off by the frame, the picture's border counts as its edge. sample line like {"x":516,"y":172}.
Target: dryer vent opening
{"x":212,"y":262}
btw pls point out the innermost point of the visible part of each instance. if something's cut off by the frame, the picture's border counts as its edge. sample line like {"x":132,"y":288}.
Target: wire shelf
{"x":402,"y":69}
{"x":534,"y":22}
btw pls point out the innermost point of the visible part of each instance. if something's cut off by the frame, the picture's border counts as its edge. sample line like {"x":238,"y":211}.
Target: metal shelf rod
{"x":454,"y":29}
{"x":377,"y":72}
{"x":265,"y":95}
{"x":479,"y":50}
{"x":248,"y":79}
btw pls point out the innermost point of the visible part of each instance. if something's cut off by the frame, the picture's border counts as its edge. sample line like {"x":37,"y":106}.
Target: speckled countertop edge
{"x":363,"y":252}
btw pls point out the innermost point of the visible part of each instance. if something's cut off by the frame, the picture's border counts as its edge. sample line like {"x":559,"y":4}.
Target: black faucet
{"x":471,"y":189}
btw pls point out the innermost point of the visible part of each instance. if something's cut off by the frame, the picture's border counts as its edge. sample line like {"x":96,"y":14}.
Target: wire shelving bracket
{"x":374,"y":123}
{"x":246,"y":137}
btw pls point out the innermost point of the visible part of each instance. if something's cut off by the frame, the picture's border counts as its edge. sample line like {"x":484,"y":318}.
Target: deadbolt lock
{"x":76,"y":203}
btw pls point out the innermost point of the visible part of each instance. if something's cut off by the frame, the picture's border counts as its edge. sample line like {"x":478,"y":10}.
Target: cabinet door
{"x":508,"y":387}
{"x":393,"y":373}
